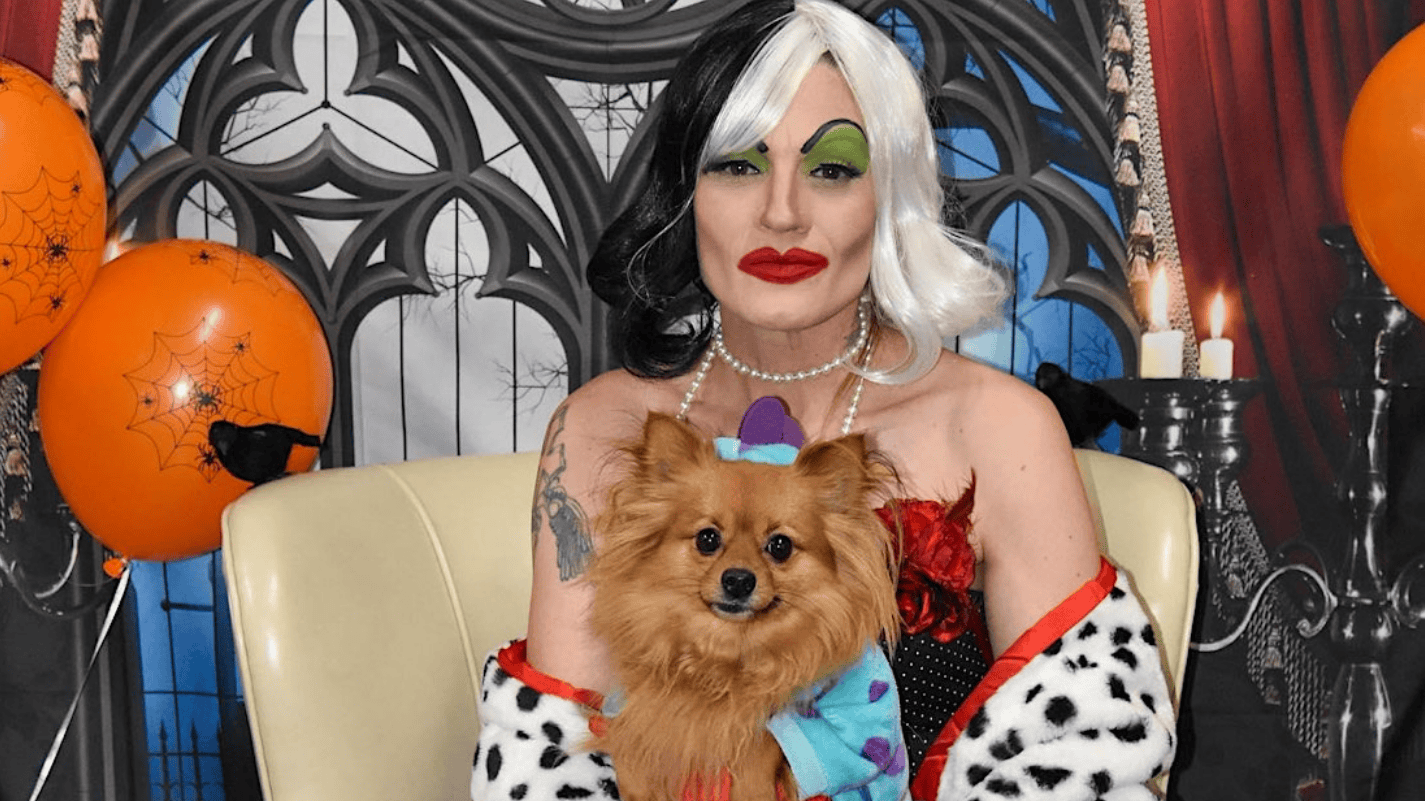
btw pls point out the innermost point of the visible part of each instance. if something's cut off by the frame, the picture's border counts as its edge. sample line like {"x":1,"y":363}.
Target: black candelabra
{"x":1194,"y":429}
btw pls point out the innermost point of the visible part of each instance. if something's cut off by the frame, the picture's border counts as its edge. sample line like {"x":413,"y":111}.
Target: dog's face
{"x":704,"y":561}
{"x":751,"y":536}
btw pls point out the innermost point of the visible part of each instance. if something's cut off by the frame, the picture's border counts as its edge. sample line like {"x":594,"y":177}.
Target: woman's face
{"x":784,"y":229}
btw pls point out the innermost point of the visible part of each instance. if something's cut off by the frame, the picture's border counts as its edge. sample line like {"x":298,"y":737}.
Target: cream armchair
{"x":364,"y":599}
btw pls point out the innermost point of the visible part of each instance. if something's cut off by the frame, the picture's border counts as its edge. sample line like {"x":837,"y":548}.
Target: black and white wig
{"x":927,"y":280}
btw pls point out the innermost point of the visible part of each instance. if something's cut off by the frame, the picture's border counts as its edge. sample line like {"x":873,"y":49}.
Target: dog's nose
{"x":738,"y":583}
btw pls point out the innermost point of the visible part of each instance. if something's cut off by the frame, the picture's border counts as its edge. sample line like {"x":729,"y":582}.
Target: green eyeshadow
{"x":837,"y":142}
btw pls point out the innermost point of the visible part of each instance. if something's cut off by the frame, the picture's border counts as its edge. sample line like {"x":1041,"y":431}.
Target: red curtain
{"x":27,"y":33}
{"x":1253,"y":100}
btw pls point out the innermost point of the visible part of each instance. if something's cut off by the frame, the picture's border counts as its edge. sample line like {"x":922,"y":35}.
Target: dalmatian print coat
{"x":1088,"y":718}
{"x":1083,"y":715}
{"x":530,"y":742}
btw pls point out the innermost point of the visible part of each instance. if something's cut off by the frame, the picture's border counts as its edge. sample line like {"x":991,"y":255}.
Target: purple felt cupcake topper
{"x":766,"y":421}
{"x":768,"y":435}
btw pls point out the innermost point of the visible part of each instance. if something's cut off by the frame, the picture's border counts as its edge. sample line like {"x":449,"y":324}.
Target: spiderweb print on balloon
{"x":41,"y":229}
{"x":189,"y":381}
{"x":231,"y":263}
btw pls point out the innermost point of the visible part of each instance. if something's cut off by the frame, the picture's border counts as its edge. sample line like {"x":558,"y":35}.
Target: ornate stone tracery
{"x":514,"y":53}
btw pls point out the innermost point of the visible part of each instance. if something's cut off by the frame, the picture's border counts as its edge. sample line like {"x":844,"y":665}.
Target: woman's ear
{"x":668,"y":443}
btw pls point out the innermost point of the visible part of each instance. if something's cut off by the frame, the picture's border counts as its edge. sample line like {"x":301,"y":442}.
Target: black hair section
{"x":646,"y":264}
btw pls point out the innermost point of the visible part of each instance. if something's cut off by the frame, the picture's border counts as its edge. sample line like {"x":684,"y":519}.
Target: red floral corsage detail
{"x":937,"y":564}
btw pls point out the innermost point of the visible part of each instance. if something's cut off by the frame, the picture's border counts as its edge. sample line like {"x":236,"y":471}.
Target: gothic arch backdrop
{"x":433,"y":176}
{"x":476,"y":149}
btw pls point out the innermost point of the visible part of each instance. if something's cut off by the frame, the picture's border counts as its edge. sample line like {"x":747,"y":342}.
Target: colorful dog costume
{"x":1076,"y":709}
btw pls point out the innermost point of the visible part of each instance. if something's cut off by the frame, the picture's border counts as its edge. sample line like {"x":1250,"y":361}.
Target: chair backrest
{"x":364,"y":599}
{"x":1147,"y":525}
{"x":363,"y":602}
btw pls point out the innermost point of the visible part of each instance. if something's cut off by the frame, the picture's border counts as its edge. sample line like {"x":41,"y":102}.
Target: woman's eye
{"x":734,"y":167}
{"x":779,"y":547}
{"x":708,"y":541}
{"x":832,"y":171}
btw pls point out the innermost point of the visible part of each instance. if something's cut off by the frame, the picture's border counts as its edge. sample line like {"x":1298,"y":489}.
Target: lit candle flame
{"x":1217,"y":315}
{"x":1158,"y":302}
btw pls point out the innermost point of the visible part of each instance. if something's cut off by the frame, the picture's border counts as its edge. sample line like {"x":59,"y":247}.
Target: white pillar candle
{"x":1215,"y":354}
{"x":1160,"y":354}
{"x":1215,"y":358}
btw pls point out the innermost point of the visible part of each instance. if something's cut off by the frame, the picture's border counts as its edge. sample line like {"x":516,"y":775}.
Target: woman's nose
{"x":782,"y":207}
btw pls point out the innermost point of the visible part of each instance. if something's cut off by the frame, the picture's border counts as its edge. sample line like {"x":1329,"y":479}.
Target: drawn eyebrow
{"x":826,"y":127}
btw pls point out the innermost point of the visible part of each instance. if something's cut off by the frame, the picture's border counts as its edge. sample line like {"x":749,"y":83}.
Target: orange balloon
{"x":52,"y":213}
{"x":174,"y":336}
{"x":1383,"y":169}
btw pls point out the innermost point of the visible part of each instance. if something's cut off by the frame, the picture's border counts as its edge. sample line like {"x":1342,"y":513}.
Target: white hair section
{"x":929,"y":282}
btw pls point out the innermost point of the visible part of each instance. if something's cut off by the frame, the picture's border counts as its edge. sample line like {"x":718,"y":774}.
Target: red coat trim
{"x":1056,"y":623}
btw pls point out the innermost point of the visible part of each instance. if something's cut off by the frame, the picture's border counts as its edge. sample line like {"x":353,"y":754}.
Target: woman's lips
{"x":782,"y":268}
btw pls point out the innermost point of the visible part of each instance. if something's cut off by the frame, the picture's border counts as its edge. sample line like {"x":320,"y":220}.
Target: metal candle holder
{"x":1361,"y":604}
{"x":1166,"y":408}
{"x":1193,"y":428}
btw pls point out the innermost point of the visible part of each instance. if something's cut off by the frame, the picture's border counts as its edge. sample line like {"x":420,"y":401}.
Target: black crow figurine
{"x":1086,"y":409}
{"x":257,"y":453}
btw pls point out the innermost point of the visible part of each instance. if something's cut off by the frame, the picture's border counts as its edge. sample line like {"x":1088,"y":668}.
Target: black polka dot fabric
{"x":934,"y":679}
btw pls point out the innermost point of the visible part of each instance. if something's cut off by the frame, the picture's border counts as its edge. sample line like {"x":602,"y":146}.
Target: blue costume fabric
{"x":843,"y":738}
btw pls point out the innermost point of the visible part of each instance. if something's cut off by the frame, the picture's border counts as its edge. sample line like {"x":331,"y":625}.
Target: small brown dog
{"x":722,"y":588}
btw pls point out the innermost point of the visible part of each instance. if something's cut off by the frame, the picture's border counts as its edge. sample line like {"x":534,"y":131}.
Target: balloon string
{"x":79,"y":692}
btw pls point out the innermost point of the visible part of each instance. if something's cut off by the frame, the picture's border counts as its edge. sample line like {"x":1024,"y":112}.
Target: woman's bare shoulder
{"x":994,"y":410}
{"x":613,"y":400}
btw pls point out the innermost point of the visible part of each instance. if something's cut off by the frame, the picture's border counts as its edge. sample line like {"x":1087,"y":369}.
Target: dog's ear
{"x":668,"y":443}
{"x":842,"y":466}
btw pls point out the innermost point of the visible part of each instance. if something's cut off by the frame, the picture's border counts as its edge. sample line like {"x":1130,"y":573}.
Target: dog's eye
{"x":708,"y":541}
{"x":779,"y":547}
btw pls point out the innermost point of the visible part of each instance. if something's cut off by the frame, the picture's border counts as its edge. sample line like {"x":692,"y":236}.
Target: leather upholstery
{"x":364,"y":599}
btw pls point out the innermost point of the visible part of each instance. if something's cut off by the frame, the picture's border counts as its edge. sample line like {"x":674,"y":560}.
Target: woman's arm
{"x":1032,"y":519}
{"x":574,"y":474}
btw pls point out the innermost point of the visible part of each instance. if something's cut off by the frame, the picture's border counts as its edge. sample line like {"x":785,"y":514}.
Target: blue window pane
{"x":193,"y":656}
{"x":1101,"y":194}
{"x":160,"y":712}
{"x":1038,"y":95}
{"x":1045,"y":7}
{"x":154,"y":653}
{"x":967,"y":153}
{"x":1094,"y":260}
{"x":972,"y":67}
{"x":1018,"y":240}
{"x":198,"y":715}
{"x":1041,"y":335}
{"x":906,"y":35}
{"x":993,"y":347}
{"x":190,"y":581}
{"x":158,"y":128}
{"x":212,"y":772}
{"x":177,"y":780}
{"x":1095,"y":354}
{"x":179,"y":631}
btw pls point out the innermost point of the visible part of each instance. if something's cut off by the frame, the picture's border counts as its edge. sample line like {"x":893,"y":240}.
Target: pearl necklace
{"x":863,"y":330}
{"x":863,"y":334}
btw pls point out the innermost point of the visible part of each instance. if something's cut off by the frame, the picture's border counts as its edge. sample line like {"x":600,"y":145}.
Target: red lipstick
{"x":782,"y":268}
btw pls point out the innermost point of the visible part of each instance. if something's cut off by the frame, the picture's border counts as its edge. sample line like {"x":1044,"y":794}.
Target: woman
{"x":789,"y":243}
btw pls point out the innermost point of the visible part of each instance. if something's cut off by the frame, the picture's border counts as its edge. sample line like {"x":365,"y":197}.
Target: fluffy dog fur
{"x":704,"y":660}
